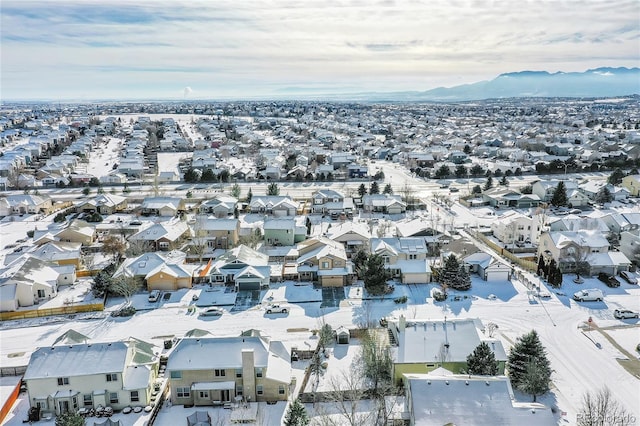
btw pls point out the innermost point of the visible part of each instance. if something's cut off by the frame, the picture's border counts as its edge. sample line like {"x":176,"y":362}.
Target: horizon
{"x":139,"y":50}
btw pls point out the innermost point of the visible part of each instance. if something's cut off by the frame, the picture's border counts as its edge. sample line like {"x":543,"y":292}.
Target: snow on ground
{"x":628,"y":337}
{"x":102,"y":159}
{"x":169,"y":161}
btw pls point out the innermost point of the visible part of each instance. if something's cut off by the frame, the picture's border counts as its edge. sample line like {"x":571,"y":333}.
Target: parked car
{"x":154,"y":296}
{"x":624,"y":314}
{"x":543,"y":294}
{"x":589,"y":295}
{"x":213,"y":311}
{"x":276,"y":309}
{"x":629,"y":277}
{"x":609,"y":280}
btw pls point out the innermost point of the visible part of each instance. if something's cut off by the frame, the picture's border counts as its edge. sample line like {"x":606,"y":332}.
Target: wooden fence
{"x":524,"y":264}
{"x":45,"y":312}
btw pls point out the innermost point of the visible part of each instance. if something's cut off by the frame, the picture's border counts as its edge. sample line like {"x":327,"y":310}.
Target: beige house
{"x":169,"y":277}
{"x":632,"y":184}
{"x":218,"y":370}
{"x":404,"y":258}
{"x":78,"y":231}
{"x":215,"y":233}
{"x":324,"y":261}
{"x":66,"y":378}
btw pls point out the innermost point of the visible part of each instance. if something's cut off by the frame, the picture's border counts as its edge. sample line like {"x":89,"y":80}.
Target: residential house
{"x":158,"y":270}
{"x":331,"y":202}
{"x":354,"y":236}
{"x":162,"y":236}
{"x":404,"y":258}
{"x":276,"y":205}
{"x":26,"y":282}
{"x":632,"y":184}
{"x":30,"y":204}
{"x":104,"y":204}
{"x":630,"y":245}
{"x":443,"y":398}
{"x":590,"y":188}
{"x":324,"y":261}
{"x":421,"y":346}
{"x":545,"y":189}
{"x":221,"y":206}
{"x":246,"y":268}
{"x":570,"y":248}
{"x":487,"y":267}
{"x":502,"y":197}
{"x":383,"y":203}
{"x":512,"y":228}
{"x":284,"y":231}
{"x":161,"y":206}
{"x":59,"y":252}
{"x":66,"y":378}
{"x":219,"y":370}
{"x":78,"y":231}
{"x":216,"y":233}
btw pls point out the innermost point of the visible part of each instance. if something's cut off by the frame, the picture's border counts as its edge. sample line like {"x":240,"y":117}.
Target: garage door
{"x":249,"y":285}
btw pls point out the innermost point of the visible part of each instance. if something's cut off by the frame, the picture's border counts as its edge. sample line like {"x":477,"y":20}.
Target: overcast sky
{"x":114,"y":49}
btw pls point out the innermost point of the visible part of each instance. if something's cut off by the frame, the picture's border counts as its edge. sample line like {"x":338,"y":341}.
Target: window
{"x":42,"y":405}
{"x":239,"y":390}
{"x":259,"y":390}
{"x":41,"y":294}
{"x":87,"y":400}
{"x":134,"y":396}
{"x":413,"y":256}
{"x":113,"y":397}
{"x":325,"y":265}
{"x":63,"y":381}
{"x":219,"y":373}
{"x":176,"y":374}
{"x":204,"y":394}
{"x":183,"y":392}
{"x":112,"y":377}
{"x":259,"y":372}
{"x":280,"y":389}
{"x":386,"y":259}
{"x":238,"y":372}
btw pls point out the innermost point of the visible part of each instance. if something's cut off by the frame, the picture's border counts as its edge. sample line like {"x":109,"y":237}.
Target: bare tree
{"x":345,"y":399}
{"x":138,"y":247}
{"x":125,"y":286}
{"x":114,"y":246}
{"x":198,"y":244}
{"x":601,"y":409}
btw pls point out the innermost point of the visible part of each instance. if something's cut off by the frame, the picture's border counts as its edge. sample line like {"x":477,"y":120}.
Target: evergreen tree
{"x":615,"y":177}
{"x":449,"y":271}
{"x":526,"y":350}
{"x":375,"y":275}
{"x":362,"y":190}
{"x":249,"y":195}
{"x":462,"y":281}
{"x":555,"y":275}
{"x":482,"y":361}
{"x":504,"y":181}
{"x":535,"y":380}
{"x":388,"y":189}
{"x":359,"y":260}
{"x":541,"y":266}
{"x":235,"y":190}
{"x":476,"y":170}
{"x":461,"y":171}
{"x":488,"y":184}
{"x":443,"y":172}
{"x":374,"y":189}
{"x":273,"y":189}
{"x":603,"y":196}
{"x":296,"y":414}
{"x":476,"y":189}
{"x":559,"y":197}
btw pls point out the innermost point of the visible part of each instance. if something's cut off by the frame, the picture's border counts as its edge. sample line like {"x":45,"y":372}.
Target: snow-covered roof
{"x":471,"y":400}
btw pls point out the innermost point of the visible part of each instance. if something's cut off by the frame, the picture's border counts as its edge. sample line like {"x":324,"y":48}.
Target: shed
{"x":342,"y":336}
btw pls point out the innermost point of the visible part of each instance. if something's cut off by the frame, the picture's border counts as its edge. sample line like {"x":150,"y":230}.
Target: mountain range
{"x":593,"y":83}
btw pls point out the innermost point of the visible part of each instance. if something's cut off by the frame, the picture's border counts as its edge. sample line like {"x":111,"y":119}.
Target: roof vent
{"x":466,"y":382}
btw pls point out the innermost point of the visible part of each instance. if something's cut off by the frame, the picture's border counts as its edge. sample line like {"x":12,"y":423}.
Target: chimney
{"x":248,"y":374}
{"x":402,"y":323}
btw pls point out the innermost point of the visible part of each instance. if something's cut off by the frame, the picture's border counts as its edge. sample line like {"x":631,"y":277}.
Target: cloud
{"x":247,"y":46}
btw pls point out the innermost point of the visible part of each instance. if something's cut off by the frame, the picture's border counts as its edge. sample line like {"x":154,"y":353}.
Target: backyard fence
{"x":45,"y":312}
{"x":524,"y":264}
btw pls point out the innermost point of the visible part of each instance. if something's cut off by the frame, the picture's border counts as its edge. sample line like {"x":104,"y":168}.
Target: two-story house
{"x":284,"y":231}
{"x":404,"y":258}
{"x":324,"y":261}
{"x":331,"y":202}
{"x":354,"y":236}
{"x":65,"y":378}
{"x":220,"y":206}
{"x":512,"y":228}
{"x":215,"y":371}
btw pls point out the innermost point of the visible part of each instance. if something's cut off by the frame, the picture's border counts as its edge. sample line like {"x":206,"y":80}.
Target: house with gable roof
{"x":217,"y":370}
{"x":421,"y":346}
{"x":27,"y":281}
{"x":248,"y":269}
{"x":354,"y":236}
{"x":404,"y":258}
{"x":324,"y":261}
{"x":441,"y":397}
{"x":161,"y":206}
{"x":332,"y":202}
{"x":66,"y":378}
{"x":220,"y":206}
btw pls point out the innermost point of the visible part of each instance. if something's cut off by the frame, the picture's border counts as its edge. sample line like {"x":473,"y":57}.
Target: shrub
{"x":399,"y":300}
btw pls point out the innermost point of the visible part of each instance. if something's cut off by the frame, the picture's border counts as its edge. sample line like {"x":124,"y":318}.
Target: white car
{"x":213,"y":311}
{"x":154,"y":296}
{"x":277,"y":309}
{"x":624,"y":314}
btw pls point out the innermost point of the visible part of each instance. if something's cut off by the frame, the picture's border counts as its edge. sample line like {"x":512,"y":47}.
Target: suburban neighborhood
{"x":349,"y":263}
